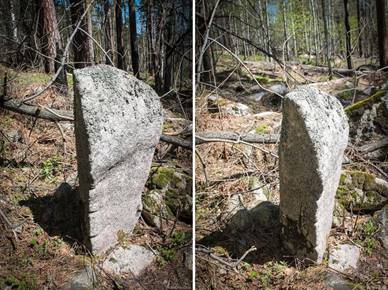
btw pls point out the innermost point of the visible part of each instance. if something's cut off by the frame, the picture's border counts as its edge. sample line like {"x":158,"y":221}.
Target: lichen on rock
{"x":360,"y":190}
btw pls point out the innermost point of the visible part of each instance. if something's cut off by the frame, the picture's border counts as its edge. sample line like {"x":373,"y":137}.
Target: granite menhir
{"x":118,"y":122}
{"x":313,"y":138}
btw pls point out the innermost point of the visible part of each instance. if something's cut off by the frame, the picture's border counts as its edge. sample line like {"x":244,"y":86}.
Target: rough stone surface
{"x":118,"y":122}
{"x":335,"y":282}
{"x":314,"y":136}
{"x":84,"y":280}
{"x":133,"y":259}
{"x":344,"y":257}
{"x":381,"y":218}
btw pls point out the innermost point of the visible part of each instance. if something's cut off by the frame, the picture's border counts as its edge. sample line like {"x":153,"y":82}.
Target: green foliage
{"x":50,"y":167}
{"x":179,"y":238}
{"x":368,"y":231}
{"x":25,"y":282}
{"x":261,"y":129}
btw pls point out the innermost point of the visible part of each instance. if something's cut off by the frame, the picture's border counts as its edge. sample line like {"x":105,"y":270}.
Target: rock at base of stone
{"x":85,"y":280}
{"x":335,"y":282}
{"x":344,"y":257}
{"x":314,"y":136}
{"x":118,"y":122}
{"x":133,"y":259}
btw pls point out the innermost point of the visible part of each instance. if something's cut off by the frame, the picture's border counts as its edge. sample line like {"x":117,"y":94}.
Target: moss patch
{"x":358,"y":189}
{"x":374,"y":98}
{"x":162,"y":177}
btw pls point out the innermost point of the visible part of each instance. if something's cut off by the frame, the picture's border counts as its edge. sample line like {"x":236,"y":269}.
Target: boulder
{"x":313,"y":138}
{"x":84,"y":280}
{"x":344,"y":257}
{"x":133,"y":259}
{"x":170,"y":193}
{"x":361,"y":191}
{"x":118,"y":122}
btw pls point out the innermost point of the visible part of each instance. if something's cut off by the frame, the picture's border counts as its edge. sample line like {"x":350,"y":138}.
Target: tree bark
{"x":90,"y":30}
{"x":107,"y":33}
{"x":347,"y":36}
{"x":119,"y":36}
{"x":382,"y":33}
{"x":51,"y":34}
{"x":326,"y":38}
{"x":133,"y":33}
{"x":81,"y":53}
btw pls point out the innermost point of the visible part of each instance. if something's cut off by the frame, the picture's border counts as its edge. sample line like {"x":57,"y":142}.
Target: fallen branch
{"x":206,"y":137}
{"x":341,"y":71}
{"x":37,"y":111}
{"x":60,"y":116}
{"x":374,"y":146}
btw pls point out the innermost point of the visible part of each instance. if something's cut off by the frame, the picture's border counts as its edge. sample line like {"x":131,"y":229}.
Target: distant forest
{"x":152,"y":39}
{"x":317,"y":32}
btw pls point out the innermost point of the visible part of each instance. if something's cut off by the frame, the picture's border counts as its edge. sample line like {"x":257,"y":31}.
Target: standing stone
{"x":314,"y":136}
{"x":118,"y":122}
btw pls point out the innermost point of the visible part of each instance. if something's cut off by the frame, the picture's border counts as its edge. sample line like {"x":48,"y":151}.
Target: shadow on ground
{"x":259,"y":227}
{"x":58,"y":214}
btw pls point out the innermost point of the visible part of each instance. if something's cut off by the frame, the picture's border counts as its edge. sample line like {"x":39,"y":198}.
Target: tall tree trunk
{"x":151,"y":35}
{"x":133,"y":33}
{"x":326,"y":37}
{"x":51,"y":34}
{"x":119,"y":36}
{"x":359,"y":22}
{"x":382,"y":33}
{"x":347,"y":34}
{"x":90,"y":30}
{"x":81,"y":51}
{"x":107,"y":33}
{"x":285,"y":31}
{"x":312,"y":5}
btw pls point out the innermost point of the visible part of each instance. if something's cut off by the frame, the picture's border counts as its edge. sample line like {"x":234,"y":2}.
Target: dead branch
{"x":37,"y":111}
{"x":374,"y":146}
{"x":206,"y":137}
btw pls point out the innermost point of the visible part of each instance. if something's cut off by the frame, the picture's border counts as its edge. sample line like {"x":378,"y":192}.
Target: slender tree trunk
{"x":81,"y":51}
{"x":90,"y":30}
{"x":359,"y":28}
{"x":51,"y":34}
{"x":382,"y":33}
{"x":326,"y":37}
{"x":107,"y":32}
{"x":119,"y":36}
{"x":285,"y":31}
{"x":347,"y":34}
{"x":314,"y":31}
{"x":133,"y":33}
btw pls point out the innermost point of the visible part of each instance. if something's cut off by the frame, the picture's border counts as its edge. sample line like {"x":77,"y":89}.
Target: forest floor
{"x":39,"y":242}
{"x":237,"y":236}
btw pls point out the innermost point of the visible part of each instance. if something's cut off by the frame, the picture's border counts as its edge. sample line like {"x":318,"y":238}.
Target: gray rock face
{"x":381,"y":218}
{"x":118,"y":122}
{"x":133,"y":259}
{"x":344,"y":257}
{"x":84,"y":280}
{"x":314,"y":136}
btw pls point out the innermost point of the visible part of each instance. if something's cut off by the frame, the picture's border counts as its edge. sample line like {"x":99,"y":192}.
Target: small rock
{"x":238,"y":109}
{"x":335,"y":282}
{"x":381,"y":218}
{"x":133,"y":259}
{"x":344,"y":257}
{"x":84,"y":280}
{"x":260,"y":191}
